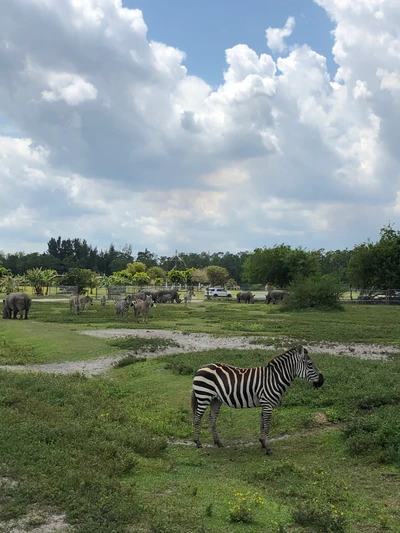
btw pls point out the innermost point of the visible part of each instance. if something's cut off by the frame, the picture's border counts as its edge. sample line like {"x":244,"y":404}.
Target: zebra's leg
{"x":215,"y":406}
{"x":265,"y":425}
{"x":196,"y":422}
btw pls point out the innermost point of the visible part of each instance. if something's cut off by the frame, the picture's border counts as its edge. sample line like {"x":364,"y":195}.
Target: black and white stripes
{"x":263,"y":387}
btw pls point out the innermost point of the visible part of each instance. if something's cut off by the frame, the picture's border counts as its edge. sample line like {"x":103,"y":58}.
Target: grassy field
{"x":111,"y":451}
{"x":50,"y":335}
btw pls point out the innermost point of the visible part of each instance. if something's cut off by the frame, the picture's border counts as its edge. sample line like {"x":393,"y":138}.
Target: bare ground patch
{"x":197,"y":342}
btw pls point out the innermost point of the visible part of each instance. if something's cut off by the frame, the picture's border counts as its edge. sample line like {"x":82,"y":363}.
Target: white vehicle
{"x":217,"y":292}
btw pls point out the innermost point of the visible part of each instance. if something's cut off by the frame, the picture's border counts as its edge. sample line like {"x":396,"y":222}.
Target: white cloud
{"x":111,"y":138}
{"x":69,"y":87}
{"x":276,"y":36}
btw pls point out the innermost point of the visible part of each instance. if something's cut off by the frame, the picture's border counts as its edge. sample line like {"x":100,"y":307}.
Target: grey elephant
{"x":16,"y":303}
{"x":246,"y":296}
{"x":275,"y":295}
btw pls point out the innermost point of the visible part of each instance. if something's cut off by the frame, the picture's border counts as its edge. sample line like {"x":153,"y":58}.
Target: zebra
{"x":74,"y":302}
{"x":121,"y":306}
{"x":188,"y":296}
{"x":263,"y":387}
{"x":85,"y":301}
{"x":103,"y":301}
{"x":142,"y":307}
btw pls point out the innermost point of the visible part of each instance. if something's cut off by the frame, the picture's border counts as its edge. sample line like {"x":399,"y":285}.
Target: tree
{"x":37,"y":278}
{"x":123,"y":277}
{"x":49,"y":276}
{"x":146,"y":257}
{"x":155,"y":272}
{"x":4,"y":272}
{"x":140,"y":279}
{"x":136,"y":266}
{"x":7,"y":284}
{"x":280,"y":265}
{"x":77,"y":277}
{"x":188,"y":273}
{"x":315,"y":291}
{"x":176,"y":276}
{"x":216,"y":275}
{"x":93,"y":282}
{"x":199,"y":276}
{"x":335,"y":262}
{"x":377,"y":265}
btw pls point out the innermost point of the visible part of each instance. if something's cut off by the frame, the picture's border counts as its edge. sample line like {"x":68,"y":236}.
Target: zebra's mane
{"x":275,"y":361}
{"x":285,"y":355}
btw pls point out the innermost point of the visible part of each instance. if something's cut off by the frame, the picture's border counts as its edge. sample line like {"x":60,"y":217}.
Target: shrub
{"x":320,"y":515}
{"x":315,"y":291}
{"x":243,"y":505}
{"x":376,"y":435}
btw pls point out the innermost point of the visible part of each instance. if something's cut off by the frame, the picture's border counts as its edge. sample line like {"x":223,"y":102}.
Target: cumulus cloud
{"x":276,"y":36}
{"x":70,"y":88}
{"x":107,"y":136}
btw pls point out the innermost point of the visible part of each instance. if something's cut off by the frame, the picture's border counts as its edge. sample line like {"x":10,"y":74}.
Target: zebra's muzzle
{"x":320,"y":381}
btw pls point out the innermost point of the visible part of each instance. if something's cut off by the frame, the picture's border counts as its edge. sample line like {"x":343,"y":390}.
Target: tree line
{"x":367,"y":265}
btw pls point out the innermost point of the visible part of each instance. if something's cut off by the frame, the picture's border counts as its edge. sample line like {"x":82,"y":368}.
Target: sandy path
{"x":196,"y":342}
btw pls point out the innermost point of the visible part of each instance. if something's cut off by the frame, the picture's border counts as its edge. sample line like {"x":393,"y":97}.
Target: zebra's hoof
{"x":269,"y":452}
{"x":199,"y":445}
{"x":219,"y":444}
{"x":262,"y":443}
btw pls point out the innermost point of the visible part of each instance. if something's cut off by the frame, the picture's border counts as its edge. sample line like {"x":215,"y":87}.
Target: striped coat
{"x":217,"y":383}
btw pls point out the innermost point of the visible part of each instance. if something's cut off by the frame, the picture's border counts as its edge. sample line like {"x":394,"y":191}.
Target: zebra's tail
{"x":193,"y":402}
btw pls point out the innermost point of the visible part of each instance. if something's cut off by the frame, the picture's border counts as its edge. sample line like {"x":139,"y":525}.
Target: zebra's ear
{"x":302,"y":351}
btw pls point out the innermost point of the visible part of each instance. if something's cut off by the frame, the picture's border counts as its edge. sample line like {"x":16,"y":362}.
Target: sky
{"x":199,"y":126}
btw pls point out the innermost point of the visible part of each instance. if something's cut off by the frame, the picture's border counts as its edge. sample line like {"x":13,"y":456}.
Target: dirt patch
{"x":48,"y":524}
{"x":198,"y":342}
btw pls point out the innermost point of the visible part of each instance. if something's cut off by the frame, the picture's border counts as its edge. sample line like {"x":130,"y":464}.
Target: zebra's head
{"x":149,"y":300}
{"x":307,"y":369}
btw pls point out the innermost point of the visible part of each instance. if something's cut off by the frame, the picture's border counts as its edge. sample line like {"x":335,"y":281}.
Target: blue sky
{"x":204,"y":30}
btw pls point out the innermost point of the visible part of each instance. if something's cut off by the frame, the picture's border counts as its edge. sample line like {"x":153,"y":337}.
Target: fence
{"x":372,"y":296}
{"x":352,"y":296}
{"x":56,"y":292}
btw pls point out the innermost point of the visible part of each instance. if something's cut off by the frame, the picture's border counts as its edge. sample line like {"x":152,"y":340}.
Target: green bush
{"x":316,"y":291}
{"x":321,"y":516}
{"x":376,"y":435}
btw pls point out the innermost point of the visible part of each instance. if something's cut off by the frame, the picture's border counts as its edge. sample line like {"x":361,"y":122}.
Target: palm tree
{"x":36,"y":278}
{"x":7,"y":284}
{"x":94,"y":281}
{"x":49,"y":275}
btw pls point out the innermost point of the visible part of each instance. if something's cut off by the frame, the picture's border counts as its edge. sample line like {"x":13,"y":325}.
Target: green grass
{"x":51,"y":333}
{"x":96,"y":450}
{"x":355,"y":324}
{"x":29,"y":342}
